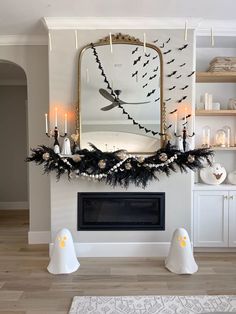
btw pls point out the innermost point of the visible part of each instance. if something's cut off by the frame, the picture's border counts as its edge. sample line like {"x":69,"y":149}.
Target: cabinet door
{"x":232,"y":219}
{"x":210,"y":219}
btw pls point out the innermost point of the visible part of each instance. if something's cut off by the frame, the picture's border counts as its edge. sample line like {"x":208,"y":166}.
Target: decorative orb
{"x":46,"y":156}
{"x":128,"y":166}
{"x":220,"y":138}
{"x":76,"y":158}
{"x":163,"y":157}
{"x":121,"y":155}
{"x":191,"y":158}
{"x":102,"y":164}
{"x":140,"y":159}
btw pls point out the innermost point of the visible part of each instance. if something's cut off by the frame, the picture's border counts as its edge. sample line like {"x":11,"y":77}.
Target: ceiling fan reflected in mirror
{"x":115,"y":101}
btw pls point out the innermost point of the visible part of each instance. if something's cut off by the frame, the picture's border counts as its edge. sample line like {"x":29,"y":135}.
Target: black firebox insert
{"x":121,"y":211}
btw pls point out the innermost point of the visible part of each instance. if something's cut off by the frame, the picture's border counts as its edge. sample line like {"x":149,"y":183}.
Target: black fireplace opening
{"x":121,"y":211}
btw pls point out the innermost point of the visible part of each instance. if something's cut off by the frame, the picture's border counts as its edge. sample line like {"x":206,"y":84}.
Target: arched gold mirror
{"x":120,"y":103}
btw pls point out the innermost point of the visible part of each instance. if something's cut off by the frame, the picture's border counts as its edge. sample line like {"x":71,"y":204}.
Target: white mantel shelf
{"x":208,"y":187}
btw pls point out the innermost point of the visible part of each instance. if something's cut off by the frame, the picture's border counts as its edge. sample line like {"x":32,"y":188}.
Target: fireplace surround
{"x":121,"y":211}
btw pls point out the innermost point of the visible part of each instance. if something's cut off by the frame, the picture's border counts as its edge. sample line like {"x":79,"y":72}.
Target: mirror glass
{"x":135,"y":77}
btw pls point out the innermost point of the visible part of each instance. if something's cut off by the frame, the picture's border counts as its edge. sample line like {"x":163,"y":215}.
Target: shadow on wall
{"x":13,"y":128}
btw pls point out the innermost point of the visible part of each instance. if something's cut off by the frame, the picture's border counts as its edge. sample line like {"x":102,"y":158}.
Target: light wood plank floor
{"x":27,"y":287}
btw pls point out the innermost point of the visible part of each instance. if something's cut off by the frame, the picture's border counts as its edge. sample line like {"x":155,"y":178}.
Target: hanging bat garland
{"x":183,"y":88}
{"x":156,"y":69}
{"x":182,"y":99}
{"x":179,"y":76}
{"x":191,"y":74}
{"x":147,"y":55}
{"x":182,"y":65}
{"x":171,"y":61}
{"x":135,"y":50}
{"x":166,"y":52}
{"x":171,"y":88}
{"x":145,"y":85}
{"x":154,"y":57}
{"x":168,"y":99}
{"x":145,"y":63}
{"x":172,"y":112}
{"x":162,"y":46}
{"x":157,"y":99}
{"x":168,"y":41}
{"x":144,"y":75}
{"x":150,"y":93}
{"x":135,"y":73}
{"x":171,"y":74}
{"x":155,"y":41}
{"x":137,"y":60}
{"x":152,"y":77}
{"x":183,"y":47}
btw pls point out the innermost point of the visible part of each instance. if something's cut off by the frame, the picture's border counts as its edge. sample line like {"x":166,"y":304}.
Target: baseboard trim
{"x":131,"y":249}
{"x":39,"y":237}
{"x":214,"y":249}
{"x":14,"y":205}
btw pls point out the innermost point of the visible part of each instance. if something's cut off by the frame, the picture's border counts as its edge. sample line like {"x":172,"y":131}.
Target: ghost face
{"x":182,"y":241}
{"x":62,"y":241}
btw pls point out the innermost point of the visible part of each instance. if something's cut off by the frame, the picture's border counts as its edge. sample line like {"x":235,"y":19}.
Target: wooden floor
{"x":27,"y":287}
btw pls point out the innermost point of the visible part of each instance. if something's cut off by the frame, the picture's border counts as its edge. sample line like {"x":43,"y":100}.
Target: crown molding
{"x":23,"y":40}
{"x":56,"y":23}
{"x":220,"y":28}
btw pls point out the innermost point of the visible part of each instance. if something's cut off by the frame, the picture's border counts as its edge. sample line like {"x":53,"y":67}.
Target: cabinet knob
{"x":231,"y":197}
{"x":225,"y":197}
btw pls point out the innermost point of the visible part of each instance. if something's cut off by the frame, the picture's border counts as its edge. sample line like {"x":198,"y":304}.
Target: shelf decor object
{"x":220,"y":138}
{"x":214,"y":174}
{"x":232,"y":177}
{"x":206,"y":136}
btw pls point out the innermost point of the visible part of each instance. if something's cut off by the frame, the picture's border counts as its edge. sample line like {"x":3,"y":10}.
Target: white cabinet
{"x":214,"y":218}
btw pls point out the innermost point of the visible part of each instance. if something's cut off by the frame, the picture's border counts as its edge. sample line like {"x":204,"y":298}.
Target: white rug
{"x":153,"y":304}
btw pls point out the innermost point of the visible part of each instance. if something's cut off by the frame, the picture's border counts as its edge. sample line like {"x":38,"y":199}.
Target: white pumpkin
{"x":232,"y":177}
{"x":214,"y":175}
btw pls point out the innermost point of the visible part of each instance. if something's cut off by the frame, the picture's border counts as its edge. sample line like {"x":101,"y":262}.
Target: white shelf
{"x":208,"y":187}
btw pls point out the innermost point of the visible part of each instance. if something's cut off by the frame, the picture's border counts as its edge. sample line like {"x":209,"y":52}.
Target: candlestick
{"x":185,"y":115}
{"x":65,"y":123}
{"x":55,"y":117}
{"x":46,"y":122}
{"x":186,"y":31}
{"x":176,"y":121}
{"x":144,"y":42}
{"x":111,"y":43}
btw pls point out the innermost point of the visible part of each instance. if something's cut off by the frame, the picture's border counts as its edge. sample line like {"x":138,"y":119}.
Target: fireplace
{"x":121,"y":211}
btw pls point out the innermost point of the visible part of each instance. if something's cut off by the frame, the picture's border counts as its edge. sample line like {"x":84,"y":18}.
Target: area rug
{"x":153,"y":304}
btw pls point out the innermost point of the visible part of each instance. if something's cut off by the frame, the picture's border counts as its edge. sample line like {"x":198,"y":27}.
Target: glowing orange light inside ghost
{"x":62,"y":242}
{"x":182,"y":241}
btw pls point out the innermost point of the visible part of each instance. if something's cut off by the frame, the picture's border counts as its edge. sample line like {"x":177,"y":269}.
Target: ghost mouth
{"x":217,"y":175}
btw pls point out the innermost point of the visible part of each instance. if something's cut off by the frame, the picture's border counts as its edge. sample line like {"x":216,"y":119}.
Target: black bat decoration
{"x":157,"y":99}
{"x":173,"y":111}
{"x":145,"y":85}
{"x":162,"y":46}
{"x":135,"y":73}
{"x":137,"y":60}
{"x":182,"y":65}
{"x":154,"y":57}
{"x":136,"y":49}
{"x":145,"y":63}
{"x":124,"y":112}
{"x":183,"y":47}
{"x":168,"y":99}
{"x":146,"y":130}
{"x":188,"y":116}
{"x":185,"y":123}
{"x":168,"y":127}
{"x":179,"y":76}
{"x":129,"y":117}
{"x":173,"y":87}
{"x":168,"y":41}
{"x":155,"y":41}
{"x":171,"y":61}
{"x":183,"y":98}
{"x":152,"y":77}
{"x":141,"y":127}
{"x":154,"y":133}
{"x":183,"y":88}
{"x":147,"y":55}
{"x":168,"y":51}
{"x":171,"y":74}
{"x":155,"y":70}
{"x":150,"y":93}
{"x":134,"y":122}
{"x":191,"y":74}
{"x":144,"y":75}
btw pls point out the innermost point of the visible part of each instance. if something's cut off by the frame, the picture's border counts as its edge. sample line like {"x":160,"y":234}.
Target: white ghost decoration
{"x":63,"y":259}
{"x":57,"y":149}
{"x":66,"y":150}
{"x":180,"y":259}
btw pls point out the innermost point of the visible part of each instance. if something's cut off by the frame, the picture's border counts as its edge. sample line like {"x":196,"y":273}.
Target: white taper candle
{"x":186,"y":31}
{"x":144,"y":42}
{"x":111,"y":43}
{"x":56,"y":117}
{"x":76,"y":39}
{"x":46,"y":122}
{"x":65,"y":122}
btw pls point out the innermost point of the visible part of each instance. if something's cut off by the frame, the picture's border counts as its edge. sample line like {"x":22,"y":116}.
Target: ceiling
{"x":24,"y":17}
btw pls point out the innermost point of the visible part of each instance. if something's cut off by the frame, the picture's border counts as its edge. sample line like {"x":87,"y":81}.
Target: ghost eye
{"x":65,"y":238}
{"x":59,"y":239}
{"x":185,"y":238}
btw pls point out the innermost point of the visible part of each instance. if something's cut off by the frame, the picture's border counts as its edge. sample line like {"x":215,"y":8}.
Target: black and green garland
{"x":119,"y":167}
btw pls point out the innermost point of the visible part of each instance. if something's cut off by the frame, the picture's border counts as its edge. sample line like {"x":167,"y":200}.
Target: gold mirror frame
{"x":120,"y":38}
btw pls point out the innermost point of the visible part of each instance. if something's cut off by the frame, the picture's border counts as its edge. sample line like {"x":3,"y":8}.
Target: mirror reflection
{"x":129,"y":115}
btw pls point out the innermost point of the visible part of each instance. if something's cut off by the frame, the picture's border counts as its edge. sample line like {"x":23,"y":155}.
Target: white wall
{"x":63,"y":63}
{"x":34,"y":61}
{"x":13,"y":183}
